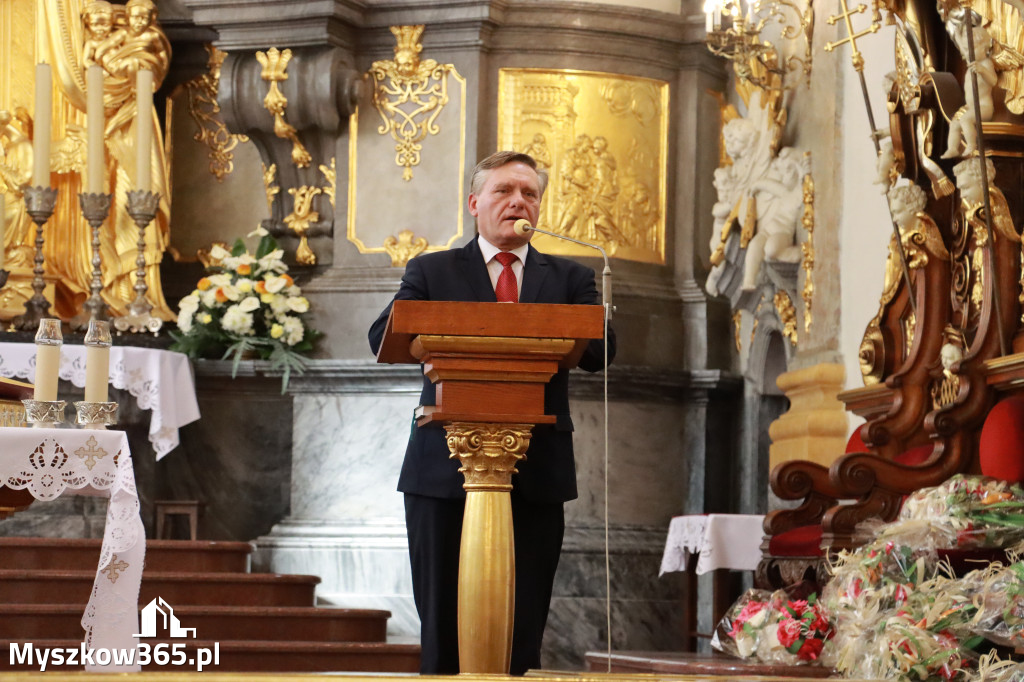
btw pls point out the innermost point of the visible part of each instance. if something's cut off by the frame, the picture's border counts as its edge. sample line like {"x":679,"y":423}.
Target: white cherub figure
{"x":964,"y":123}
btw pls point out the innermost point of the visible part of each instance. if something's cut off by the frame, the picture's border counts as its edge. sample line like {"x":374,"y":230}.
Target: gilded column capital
{"x":488,"y":452}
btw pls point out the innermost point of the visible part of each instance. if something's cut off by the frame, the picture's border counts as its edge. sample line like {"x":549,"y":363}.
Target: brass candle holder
{"x":95,"y":209}
{"x":142,"y":207}
{"x":39,"y":203}
{"x":44,"y":413}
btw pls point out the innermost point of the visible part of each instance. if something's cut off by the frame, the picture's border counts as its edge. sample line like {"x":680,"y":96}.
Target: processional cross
{"x":858,"y":64}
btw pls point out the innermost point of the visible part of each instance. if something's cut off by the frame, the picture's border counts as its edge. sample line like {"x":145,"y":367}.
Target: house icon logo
{"x":169,"y":621}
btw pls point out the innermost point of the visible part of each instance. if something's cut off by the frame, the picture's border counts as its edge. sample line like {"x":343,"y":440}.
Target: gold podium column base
{"x":488,"y":453}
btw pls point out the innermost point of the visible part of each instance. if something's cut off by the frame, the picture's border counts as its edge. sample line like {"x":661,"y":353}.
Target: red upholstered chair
{"x":1001,"y":449}
{"x":792,"y":548}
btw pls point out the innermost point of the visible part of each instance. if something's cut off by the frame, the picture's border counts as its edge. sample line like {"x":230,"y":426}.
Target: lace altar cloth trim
{"x":160,"y":380}
{"x":723,"y":540}
{"x":53,"y":462}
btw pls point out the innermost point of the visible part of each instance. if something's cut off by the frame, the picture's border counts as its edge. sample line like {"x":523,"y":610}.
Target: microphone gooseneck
{"x":521,"y":227}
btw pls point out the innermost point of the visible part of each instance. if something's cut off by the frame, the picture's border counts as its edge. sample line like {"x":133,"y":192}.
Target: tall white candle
{"x":97,"y":361}
{"x":94,"y":129}
{"x":41,"y":125}
{"x":3,"y":227}
{"x":143,"y":128}
{"x":48,"y":344}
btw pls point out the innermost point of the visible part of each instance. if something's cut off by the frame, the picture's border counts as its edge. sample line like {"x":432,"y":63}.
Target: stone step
{"x":261,"y":656}
{"x":161,"y":555}
{"x":31,"y":622}
{"x":177,"y":589}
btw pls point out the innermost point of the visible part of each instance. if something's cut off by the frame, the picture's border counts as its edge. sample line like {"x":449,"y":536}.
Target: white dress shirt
{"x":494,"y":267}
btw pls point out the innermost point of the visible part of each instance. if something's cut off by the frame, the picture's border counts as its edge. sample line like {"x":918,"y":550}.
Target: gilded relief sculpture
{"x":205,"y":111}
{"x":122,"y":39}
{"x":409,"y":95}
{"x":602,"y":138}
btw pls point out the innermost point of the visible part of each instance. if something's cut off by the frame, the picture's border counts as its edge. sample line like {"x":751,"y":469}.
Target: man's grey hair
{"x":499,"y":159}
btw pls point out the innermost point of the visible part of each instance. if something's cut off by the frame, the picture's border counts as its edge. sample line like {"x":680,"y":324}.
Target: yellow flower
{"x":244,"y":285}
{"x":266,"y":298}
{"x":276,"y":331}
{"x":206,"y":318}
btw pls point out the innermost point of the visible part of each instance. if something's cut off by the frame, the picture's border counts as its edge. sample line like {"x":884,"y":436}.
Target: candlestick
{"x":142,"y":207}
{"x":94,"y":129}
{"x":39,"y":203}
{"x":97,"y":361}
{"x":95,"y":208}
{"x":143,"y":129}
{"x":48,"y":344}
{"x":41,"y":124}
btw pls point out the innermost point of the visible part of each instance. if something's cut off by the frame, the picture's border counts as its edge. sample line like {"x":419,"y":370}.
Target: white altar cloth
{"x":52,"y":462}
{"x":160,"y":380}
{"x":723,"y":540}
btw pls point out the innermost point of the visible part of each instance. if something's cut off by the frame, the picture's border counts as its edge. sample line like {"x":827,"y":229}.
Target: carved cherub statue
{"x":780,"y":203}
{"x":964,"y":122}
{"x":99,"y":21}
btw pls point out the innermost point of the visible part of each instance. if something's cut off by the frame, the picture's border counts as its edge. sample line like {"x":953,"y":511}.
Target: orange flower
{"x":244,"y":269}
{"x":993,"y":496}
{"x":287,"y":280}
{"x":261,"y":287}
{"x":204,"y":284}
{"x":221,"y":296}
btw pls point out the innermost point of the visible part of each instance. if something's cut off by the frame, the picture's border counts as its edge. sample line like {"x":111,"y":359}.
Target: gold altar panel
{"x":604,"y":139}
{"x":407,"y":154}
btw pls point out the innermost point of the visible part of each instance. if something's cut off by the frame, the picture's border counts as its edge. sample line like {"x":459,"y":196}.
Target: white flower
{"x":272,"y":262}
{"x":237,"y":321}
{"x":293,"y":290}
{"x":275,"y":284}
{"x":189,"y":304}
{"x":235,"y":261}
{"x":258,"y":232}
{"x":220,"y":280}
{"x":298,"y":304}
{"x":185,"y":321}
{"x":249,"y":304}
{"x":219,"y":253}
{"x":209,"y":297}
{"x":293,"y":330}
{"x":279,"y":304}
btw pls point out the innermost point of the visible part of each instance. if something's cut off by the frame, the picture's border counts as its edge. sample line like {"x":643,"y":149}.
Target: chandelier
{"x":736,"y":35}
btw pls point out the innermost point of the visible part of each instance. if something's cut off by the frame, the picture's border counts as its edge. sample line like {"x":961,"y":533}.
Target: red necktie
{"x":507,"y":289}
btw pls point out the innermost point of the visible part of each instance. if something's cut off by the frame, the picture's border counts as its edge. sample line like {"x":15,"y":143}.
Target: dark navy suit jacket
{"x":548,"y":474}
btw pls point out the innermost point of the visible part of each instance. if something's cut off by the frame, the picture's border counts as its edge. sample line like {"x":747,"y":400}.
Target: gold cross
{"x":851,"y":37}
{"x":114,"y":568}
{"x":91,"y":452}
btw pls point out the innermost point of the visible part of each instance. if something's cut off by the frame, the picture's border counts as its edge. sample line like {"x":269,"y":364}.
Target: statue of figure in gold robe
{"x":123,"y":40}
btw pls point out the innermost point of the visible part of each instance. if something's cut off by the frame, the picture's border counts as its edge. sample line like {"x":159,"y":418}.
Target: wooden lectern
{"x":490,"y":362}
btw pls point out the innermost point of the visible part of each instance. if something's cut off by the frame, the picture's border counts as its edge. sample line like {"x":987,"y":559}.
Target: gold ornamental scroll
{"x":604,"y":140}
{"x":415,"y":185}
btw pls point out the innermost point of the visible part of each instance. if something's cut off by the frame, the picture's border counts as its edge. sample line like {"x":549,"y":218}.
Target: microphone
{"x":522,"y":226}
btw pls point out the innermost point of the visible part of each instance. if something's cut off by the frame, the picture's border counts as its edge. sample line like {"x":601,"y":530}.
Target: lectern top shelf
{"x":409,"y":319}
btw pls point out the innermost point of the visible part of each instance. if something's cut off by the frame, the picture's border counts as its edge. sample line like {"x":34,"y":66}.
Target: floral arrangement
{"x":247,"y":305}
{"x":973,"y":511}
{"x":774,"y":628}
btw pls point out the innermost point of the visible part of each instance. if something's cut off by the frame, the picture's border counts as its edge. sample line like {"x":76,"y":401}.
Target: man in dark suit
{"x":507,"y":186}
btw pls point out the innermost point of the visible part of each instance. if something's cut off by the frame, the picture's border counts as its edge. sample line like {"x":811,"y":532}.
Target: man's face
{"x":138,"y":19}
{"x":509,"y":193}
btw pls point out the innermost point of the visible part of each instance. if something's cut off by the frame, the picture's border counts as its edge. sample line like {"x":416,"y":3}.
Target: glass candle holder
{"x":97,"y":361}
{"x":48,"y":345}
